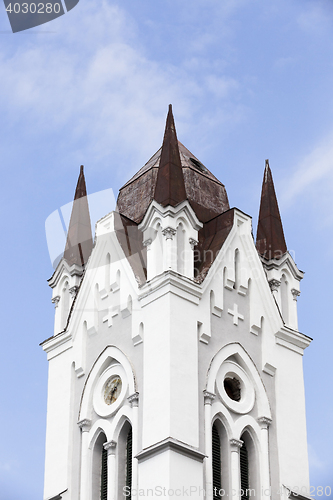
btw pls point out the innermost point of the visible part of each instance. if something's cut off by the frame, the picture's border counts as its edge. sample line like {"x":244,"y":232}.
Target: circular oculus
{"x":112,"y":389}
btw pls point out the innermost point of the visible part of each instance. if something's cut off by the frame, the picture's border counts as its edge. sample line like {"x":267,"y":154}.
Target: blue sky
{"x":248,"y":80}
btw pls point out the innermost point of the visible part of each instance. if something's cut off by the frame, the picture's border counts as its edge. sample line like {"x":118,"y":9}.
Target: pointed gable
{"x":270,"y":241}
{"x":79,"y":238}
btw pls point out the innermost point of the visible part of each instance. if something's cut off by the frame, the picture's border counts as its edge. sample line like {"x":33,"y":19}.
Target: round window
{"x":232,"y":387}
{"x":235,"y":388}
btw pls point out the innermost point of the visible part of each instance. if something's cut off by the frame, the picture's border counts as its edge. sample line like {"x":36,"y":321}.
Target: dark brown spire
{"x":270,"y":238}
{"x":170,"y":186}
{"x":79,"y":238}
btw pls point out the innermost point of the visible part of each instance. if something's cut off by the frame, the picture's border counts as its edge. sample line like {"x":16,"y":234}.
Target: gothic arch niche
{"x":96,"y":305}
{"x":110,"y":357}
{"x":107,"y":272}
{"x":180,"y":248}
{"x":237,"y":269}
{"x":159,"y":249}
{"x":240,"y":415}
{"x":64,"y":302}
{"x":285,"y":296}
{"x":212,"y":301}
{"x":99,"y":469}
{"x":234,"y":353}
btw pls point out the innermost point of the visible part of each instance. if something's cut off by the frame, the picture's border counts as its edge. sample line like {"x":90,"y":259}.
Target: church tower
{"x":175,"y":368}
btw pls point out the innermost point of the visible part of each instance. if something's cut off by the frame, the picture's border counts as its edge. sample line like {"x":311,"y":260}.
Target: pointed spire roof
{"x":170,"y":186}
{"x":173,"y":174}
{"x":270,"y":237}
{"x":79,"y":237}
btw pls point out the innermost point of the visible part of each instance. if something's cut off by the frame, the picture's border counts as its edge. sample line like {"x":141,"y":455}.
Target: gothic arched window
{"x":104,"y":475}
{"x":124,"y":454}
{"x":244,"y":471}
{"x":129,"y":461}
{"x":249,"y":473}
{"x":216,"y":455}
{"x":99,"y":469}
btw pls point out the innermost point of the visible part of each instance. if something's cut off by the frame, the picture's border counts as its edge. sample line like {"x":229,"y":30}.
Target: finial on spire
{"x":79,"y":237}
{"x":170,"y":186}
{"x":270,"y":241}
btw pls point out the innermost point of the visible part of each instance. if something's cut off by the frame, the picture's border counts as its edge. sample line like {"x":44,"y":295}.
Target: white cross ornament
{"x":236,"y":314}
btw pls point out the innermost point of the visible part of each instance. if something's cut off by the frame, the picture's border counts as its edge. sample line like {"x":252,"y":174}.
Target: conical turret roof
{"x":79,"y":237}
{"x":173,"y":174}
{"x":170,"y":186}
{"x":270,"y":241}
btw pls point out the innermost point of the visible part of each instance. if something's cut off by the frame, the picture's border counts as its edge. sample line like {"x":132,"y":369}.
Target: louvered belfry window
{"x":216,"y":453}
{"x":244,"y":471}
{"x":129,"y":462}
{"x":104,"y":475}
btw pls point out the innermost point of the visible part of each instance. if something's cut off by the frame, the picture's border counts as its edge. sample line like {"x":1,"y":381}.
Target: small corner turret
{"x":282,"y":272}
{"x":67,"y":276}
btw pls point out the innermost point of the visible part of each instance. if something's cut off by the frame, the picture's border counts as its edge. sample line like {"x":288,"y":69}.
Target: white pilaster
{"x":110,"y":446}
{"x":208,"y":399}
{"x":84,"y":482}
{"x":235,"y":445}
{"x":264,"y":423}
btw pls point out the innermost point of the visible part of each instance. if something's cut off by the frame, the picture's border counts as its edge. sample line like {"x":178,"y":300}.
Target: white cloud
{"x":93,"y":82}
{"x":316,"y":17}
{"x":313,"y":175}
{"x":314,"y":460}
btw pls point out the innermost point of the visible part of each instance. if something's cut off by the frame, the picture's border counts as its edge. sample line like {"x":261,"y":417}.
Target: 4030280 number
{"x":33,"y":8}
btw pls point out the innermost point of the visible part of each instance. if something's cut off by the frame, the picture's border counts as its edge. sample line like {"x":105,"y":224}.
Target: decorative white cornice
{"x":169,"y":233}
{"x":169,"y":212}
{"x":133,"y":399}
{"x":57,"y":341}
{"x":264,"y":422}
{"x":235,"y":444}
{"x":292,"y":339}
{"x":84,"y":424}
{"x":170,"y":444}
{"x":170,"y":281}
{"x":193,"y":243}
{"x":56,"y":301}
{"x":285,"y":261}
{"x":295,"y":293}
{"x":62,"y":268}
{"x":274,"y":285}
{"x":110,"y":447}
{"x":208,"y":397}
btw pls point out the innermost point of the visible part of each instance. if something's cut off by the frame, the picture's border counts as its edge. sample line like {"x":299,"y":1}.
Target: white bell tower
{"x":175,"y":368}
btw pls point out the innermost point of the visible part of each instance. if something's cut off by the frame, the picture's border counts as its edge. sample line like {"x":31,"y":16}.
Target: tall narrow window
{"x":104,"y":475}
{"x":129,"y":462}
{"x":244,"y":471}
{"x":124,"y":459}
{"x":216,"y":454}
{"x":99,"y":469}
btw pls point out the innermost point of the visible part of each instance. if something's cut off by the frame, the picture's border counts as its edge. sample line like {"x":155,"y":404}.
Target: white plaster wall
{"x":184,"y":411}
{"x":58,"y":430}
{"x":182,"y":475}
{"x":290,"y":420}
{"x":170,"y":390}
